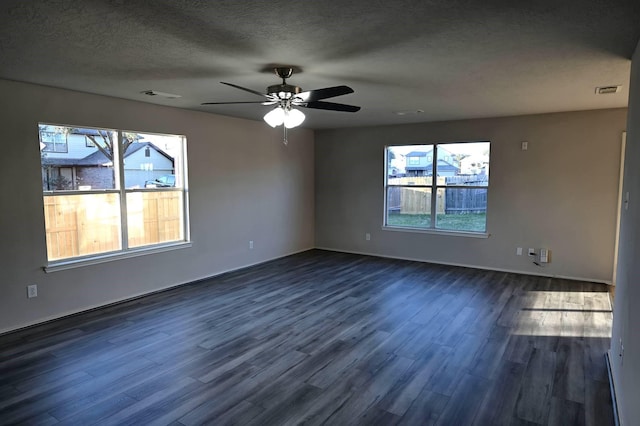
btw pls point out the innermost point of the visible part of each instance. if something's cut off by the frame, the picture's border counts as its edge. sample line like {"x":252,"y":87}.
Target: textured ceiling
{"x":450,"y":58}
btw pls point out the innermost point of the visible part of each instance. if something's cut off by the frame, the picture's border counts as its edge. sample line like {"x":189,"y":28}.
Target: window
{"x":414,"y":160}
{"x":53,"y":140}
{"x":97,"y":196}
{"x":455,"y":200}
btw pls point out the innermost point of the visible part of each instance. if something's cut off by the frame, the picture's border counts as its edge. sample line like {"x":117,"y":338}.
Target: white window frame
{"x":122,"y":191}
{"x":433,"y":198}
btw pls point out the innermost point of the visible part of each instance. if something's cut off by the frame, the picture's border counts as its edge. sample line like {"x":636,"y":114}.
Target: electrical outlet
{"x":525,"y":145}
{"x":621,"y":352}
{"x":626,"y":200}
{"x":519,"y":251}
{"x":367,"y":236}
{"x":251,"y":245}
{"x":531,"y":252}
{"x":544,"y":255}
{"x":32,"y":291}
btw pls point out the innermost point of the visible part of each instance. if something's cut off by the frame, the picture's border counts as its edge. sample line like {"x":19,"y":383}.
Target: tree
{"x":103,"y":140}
{"x":106,"y":143}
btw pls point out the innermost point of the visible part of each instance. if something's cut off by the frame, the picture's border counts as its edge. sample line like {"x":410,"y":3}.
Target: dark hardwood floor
{"x":323,"y":338}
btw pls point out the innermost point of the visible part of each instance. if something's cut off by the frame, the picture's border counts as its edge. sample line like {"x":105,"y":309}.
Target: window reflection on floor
{"x":564,"y":314}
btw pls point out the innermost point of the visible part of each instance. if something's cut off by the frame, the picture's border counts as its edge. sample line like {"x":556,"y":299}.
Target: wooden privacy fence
{"x":463,"y":201}
{"x":154,"y":217}
{"x":417,"y":200}
{"x":467,"y":200}
{"x":85,"y":224}
{"x":405,"y":200}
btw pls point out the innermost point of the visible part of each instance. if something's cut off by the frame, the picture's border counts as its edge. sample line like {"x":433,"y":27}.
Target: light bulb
{"x":293,"y":118}
{"x":275,"y":117}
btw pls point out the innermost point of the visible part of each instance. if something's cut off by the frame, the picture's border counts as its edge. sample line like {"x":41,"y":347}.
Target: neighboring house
{"x":419,"y":163}
{"x":393,"y":171}
{"x":475,"y":165}
{"x":72,"y":161}
{"x":143,"y":162}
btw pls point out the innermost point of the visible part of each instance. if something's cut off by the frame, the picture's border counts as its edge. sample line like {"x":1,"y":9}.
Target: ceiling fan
{"x":286,"y":96}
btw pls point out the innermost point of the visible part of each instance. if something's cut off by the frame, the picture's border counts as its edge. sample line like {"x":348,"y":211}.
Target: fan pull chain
{"x":284,"y":137}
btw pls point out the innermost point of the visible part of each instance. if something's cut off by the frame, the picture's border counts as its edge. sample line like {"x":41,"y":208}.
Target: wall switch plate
{"x":519,"y":251}
{"x":251,"y":245}
{"x":32,"y":291}
{"x":531,"y":252}
{"x":367,"y":236}
{"x":525,"y":145}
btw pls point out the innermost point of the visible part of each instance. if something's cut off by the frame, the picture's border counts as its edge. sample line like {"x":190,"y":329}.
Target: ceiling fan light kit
{"x":289,"y":117}
{"x":287,"y":96}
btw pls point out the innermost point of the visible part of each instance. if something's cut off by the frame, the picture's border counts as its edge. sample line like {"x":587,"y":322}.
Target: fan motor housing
{"x":283,"y":88}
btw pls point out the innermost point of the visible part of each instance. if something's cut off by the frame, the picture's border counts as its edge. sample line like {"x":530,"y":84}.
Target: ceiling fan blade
{"x":255,"y":92}
{"x":231,"y":103}
{"x":327,"y":92}
{"x":331,"y":106}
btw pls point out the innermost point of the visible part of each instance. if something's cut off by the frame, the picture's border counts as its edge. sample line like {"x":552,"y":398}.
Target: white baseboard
{"x":139,"y":295}
{"x":464,"y":265}
{"x":612,"y":388}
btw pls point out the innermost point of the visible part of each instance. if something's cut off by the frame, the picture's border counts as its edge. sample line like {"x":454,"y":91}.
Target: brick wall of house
{"x":95,"y":177}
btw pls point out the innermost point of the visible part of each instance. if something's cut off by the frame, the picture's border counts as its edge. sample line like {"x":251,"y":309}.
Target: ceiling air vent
{"x":605,"y":90}
{"x":161,"y":94}
{"x":409,"y":112}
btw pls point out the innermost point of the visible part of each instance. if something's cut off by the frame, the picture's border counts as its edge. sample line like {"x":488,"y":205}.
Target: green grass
{"x":474,"y":222}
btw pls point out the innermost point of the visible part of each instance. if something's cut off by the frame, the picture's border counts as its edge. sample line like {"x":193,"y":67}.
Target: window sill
{"x":104,"y":258}
{"x":450,"y":233}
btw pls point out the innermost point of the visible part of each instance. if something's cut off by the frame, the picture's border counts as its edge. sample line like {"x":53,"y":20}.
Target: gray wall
{"x":561,"y":194}
{"x":244,"y":185}
{"x":626,"y":318}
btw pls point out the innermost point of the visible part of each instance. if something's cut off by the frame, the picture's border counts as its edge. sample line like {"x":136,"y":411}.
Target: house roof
{"x":451,"y":59}
{"x":99,"y":159}
{"x":442,"y":165}
{"x":428,"y":151}
{"x":83,"y":131}
{"x":134,"y":147}
{"x":417,"y":154}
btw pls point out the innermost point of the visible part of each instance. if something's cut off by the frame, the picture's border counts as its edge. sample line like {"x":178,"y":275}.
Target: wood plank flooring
{"x":323,"y":338}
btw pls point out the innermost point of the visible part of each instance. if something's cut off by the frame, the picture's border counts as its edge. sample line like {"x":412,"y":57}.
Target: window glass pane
{"x":409,"y":207}
{"x":462,"y":209}
{"x":410,"y":161}
{"x":152,"y":160}
{"x":69,"y":163}
{"x":464,"y":163}
{"x":154,"y":217}
{"x":83,"y":224}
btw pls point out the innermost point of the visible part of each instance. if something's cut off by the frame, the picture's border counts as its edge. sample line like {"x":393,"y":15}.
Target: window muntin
{"x":88,"y":212}
{"x":460,"y":187}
